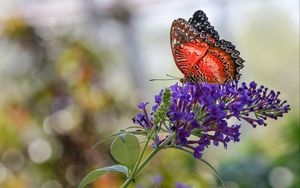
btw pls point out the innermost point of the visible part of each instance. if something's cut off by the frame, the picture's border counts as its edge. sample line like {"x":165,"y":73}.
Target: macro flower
{"x":198,"y":114}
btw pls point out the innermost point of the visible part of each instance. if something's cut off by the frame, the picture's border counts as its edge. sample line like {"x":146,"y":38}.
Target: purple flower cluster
{"x":198,"y":113}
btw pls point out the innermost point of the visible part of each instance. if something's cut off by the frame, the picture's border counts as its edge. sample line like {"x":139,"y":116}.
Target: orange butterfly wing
{"x":200,"y":55}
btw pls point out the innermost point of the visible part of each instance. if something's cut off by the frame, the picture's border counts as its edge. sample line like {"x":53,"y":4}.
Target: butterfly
{"x":199,"y":53}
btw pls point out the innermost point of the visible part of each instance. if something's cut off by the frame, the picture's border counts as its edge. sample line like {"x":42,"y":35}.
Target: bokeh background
{"x":72,"y":72}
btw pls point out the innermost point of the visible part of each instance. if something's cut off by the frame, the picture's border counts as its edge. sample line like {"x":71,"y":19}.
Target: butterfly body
{"x":200,"y":55}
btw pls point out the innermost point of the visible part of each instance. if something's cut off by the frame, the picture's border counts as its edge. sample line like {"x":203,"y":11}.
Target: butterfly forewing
{"x":187,"y":47}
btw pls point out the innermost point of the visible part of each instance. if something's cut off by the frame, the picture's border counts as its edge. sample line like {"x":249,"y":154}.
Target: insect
{"x":199,"y":53}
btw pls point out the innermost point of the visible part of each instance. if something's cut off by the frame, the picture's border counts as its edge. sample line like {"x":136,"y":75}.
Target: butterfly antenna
{"x":167,"y":79}
{"x":168,"y":75}
{"x":163,"y":79}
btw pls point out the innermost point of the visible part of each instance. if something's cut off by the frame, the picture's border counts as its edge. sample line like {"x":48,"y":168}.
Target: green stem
{"x":148,"y":158}
{"x":132,"y":175}
{"x":204,"y":161}
{"x":140,"y":167}
{"x":152,"y":154}
{"x":127,"y":182}
{"x":142,"y":153}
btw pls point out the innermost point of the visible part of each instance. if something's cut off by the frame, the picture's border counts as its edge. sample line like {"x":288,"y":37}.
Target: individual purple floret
{"x":157,"y":180}
{"x":180,"y":185}
{"x":198,"y":113}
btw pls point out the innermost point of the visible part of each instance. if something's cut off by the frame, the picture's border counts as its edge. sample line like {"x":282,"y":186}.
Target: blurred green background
{"x":72,"y":72}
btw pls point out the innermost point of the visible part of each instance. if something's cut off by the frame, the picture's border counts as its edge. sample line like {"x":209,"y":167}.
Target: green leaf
{"x":92,"y":176}
{"x":136,"y":132}
{"x":106,"y":139}
{"x":125,"y":149}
